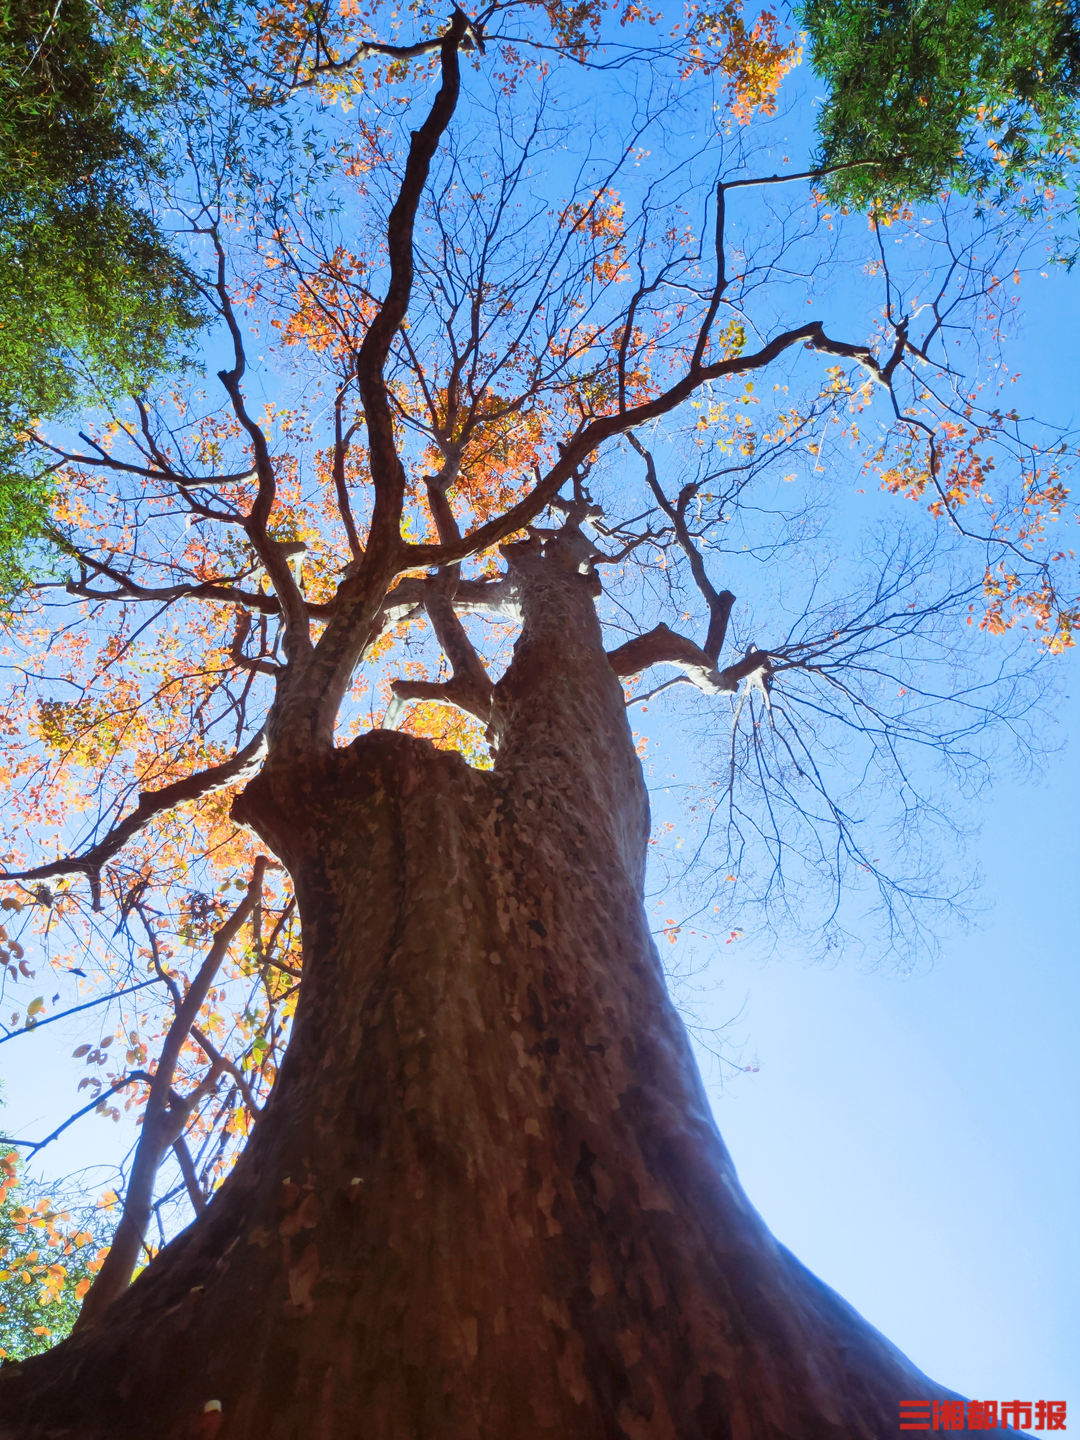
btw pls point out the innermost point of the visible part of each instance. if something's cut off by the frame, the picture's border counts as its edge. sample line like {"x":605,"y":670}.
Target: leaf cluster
{"x":47,"y":1258}
{"x":89,"y":284}
{"x":979,"y":96}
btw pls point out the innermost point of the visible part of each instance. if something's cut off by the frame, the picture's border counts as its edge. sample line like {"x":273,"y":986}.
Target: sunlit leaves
{"x":753,"y":58}
{"x":47,"y":1259}
{"x":950,"y":467}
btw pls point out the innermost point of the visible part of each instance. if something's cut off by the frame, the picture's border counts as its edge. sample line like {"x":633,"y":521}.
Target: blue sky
{"x":915,"y":1139}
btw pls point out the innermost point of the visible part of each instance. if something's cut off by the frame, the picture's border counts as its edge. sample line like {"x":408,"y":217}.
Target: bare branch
{"x":719,"y":603}
{"x":164,"y":1117}
{"x":163,"y":471}
{"x":207,"y":590}
{"x":214,"y":1055}
{"x":63,"y":1014}
{"x":187,"y":1170}
{"x":367,"y":51}
{"x":341,"y":450}
{"x":243,"y":765}
{"x":297,"y":637}
{"x":582,"y":446}
{"x":34,"y":1146}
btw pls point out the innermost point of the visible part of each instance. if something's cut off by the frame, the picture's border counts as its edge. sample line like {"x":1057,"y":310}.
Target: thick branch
{"x":437,"y":485}
{"x":663,"y":646}
{"x":472,"y":597}
{"x":387,"y":472}
{"x":309,"y":718}
{"x":469,"y":687}
{"x":243,"y":765}
{"x":449,"y":692}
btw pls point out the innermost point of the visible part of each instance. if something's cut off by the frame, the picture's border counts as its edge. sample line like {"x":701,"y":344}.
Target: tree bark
{"x":487,"y":1197}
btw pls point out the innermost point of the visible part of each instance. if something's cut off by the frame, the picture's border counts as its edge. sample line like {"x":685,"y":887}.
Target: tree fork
{"x":487,"y":1197}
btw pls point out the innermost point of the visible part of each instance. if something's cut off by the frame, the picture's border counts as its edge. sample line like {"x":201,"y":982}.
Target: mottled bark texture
{"x":487,"y":1197}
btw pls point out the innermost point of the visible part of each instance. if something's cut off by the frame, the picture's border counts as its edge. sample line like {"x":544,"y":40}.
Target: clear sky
{"x":916,"y":1140}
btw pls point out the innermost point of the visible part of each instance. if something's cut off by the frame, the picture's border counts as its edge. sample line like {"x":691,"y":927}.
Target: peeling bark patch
{"x":305,"y":1216}
{"x":302,"y":1278}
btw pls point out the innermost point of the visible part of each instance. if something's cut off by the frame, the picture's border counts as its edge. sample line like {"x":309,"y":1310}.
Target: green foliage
{"x":88,"y":283}
{"x":46,"y":1265}
{"x":974,"y":95}
{"x":23,"y":516}
{"x":67,"y":88}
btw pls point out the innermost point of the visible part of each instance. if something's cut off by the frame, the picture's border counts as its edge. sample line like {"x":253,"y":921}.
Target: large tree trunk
{"x":487,"y":1197}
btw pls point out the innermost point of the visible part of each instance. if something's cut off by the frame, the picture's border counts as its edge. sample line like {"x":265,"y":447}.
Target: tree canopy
{"x":534,"y":333}
{"x":94,"y":299}
{"x":968,"y":97}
